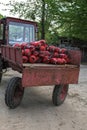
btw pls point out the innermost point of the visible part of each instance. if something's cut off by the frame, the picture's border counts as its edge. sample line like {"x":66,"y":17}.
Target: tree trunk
{"x":43,"y":20}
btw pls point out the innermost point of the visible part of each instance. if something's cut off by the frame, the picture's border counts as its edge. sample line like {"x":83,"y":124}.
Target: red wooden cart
{"x":40,"y":75}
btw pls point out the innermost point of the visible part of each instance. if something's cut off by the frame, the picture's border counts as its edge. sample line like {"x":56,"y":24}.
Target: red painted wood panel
{"x":49,"y":76}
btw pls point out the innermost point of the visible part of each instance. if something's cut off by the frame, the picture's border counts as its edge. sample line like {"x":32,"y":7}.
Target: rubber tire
{"x":0,"y":69}
{"x":56,"y":94}
{"x":14,"y":87}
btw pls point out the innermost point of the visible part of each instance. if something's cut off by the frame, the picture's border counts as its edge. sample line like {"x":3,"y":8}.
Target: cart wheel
{"x":14,"y":93}
{"x":59,"y":94}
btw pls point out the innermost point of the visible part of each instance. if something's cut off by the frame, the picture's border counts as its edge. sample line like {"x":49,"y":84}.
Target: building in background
{"x":75,"y":43}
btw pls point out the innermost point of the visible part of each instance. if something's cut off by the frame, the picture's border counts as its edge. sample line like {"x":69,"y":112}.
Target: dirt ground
{"x":37,"y":112}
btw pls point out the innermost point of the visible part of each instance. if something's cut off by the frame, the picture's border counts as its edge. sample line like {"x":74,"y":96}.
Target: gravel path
{"x":37,"y":112}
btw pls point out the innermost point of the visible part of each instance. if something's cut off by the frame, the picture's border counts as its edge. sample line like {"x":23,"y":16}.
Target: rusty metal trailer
{"x":40,"y":75}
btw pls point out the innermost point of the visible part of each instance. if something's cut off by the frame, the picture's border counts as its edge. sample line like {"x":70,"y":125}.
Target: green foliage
{"x":73,"y":19}
{"x":65,"y":17}
{"x":1,"y":16}
{"x":34,"y":10}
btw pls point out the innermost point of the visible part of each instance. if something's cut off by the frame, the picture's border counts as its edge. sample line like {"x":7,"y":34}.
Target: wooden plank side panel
{"x":3,"y":51}
{"x":75,"y":56}
{"x":18,"y":56}
{"x":45,"y":76}
{"x":12,"y":55}
{"x":7,"y":52}
{"x":43,"y":65}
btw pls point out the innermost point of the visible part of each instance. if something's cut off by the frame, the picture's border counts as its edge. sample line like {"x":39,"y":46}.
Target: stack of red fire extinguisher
{"x":41,"y":52}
